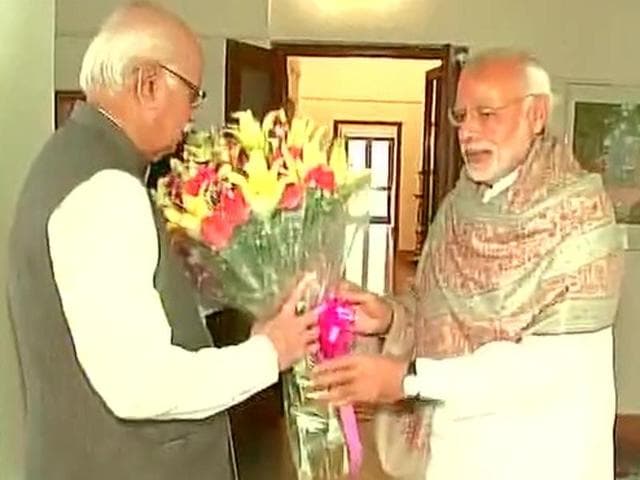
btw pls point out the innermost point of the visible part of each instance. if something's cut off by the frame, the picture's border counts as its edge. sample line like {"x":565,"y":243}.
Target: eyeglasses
{"x":197,"y":94}
{"x":483,"y":114}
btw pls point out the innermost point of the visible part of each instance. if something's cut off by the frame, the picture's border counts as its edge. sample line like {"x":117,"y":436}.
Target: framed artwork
{"x":603,"y":126}
{"x":64,"y":102}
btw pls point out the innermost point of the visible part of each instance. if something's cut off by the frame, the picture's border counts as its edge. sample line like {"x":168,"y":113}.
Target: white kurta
{"x":542,"y":409}
{"x":104,"y":251}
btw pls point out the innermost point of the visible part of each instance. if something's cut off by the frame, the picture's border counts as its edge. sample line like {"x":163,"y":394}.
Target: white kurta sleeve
{"x":104,"y":251}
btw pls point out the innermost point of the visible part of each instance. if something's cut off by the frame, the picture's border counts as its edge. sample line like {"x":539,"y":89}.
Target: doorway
{"x":411,"y":85}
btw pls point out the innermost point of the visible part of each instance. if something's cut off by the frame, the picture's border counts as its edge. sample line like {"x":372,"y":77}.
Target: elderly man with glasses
{"x":502,"y":351}
{"x":121,"y":377}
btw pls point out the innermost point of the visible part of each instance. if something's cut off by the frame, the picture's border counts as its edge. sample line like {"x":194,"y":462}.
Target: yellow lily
{"x":248,"y":131}
{"x":196,"y":205}
{"x":183,"y":220}
{"x":339,"y":163}
{"x":313,"y":153}
{"x":300,"y":132}
{"x":270,"y":119}
{"x":261,"y":187}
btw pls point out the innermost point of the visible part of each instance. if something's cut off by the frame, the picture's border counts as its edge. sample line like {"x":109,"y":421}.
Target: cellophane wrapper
{"x":255,"y":267}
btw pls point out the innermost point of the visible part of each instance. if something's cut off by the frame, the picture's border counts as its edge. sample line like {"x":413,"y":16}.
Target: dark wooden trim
{"x":386,"y":123}
{"x":433,"y":86}
{"x":627,"y":444}
{"x":448,"y":151}
{"x":388,"y":50}
{"x":628,"y":431}
{"x":64,"y":96}
{"x":239,"y":55}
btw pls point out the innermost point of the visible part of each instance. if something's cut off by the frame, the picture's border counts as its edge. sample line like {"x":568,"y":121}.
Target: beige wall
{"x":374,"y":90}
{"x":627,"y":329}
{"x":26,"y":83}
{"x":574,"y":38}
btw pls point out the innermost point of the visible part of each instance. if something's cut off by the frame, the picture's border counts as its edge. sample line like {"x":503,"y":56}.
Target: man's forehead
{"x":494,"y":82}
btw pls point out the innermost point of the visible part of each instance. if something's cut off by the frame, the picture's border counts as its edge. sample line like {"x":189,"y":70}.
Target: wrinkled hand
{"x":292,"y":335}
{"x":373,"y":314}
{"x":360,"y":379}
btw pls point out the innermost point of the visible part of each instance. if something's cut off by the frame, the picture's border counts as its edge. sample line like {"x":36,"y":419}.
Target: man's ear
{"x":146,"y":84}
{"x":539,"y":113}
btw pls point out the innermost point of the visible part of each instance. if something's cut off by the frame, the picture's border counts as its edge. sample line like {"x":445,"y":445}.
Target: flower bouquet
{"x":249,"y":209}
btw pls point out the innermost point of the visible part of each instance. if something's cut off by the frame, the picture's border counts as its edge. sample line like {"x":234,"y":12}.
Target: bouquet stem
{"x":315,"y":435}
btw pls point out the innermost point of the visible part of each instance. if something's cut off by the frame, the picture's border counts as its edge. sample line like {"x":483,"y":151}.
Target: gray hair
{"x":537,"y":80}
{"x":124,"y":43}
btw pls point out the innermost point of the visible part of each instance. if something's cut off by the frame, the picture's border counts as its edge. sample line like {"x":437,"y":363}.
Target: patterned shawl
{"x":543,"y":257}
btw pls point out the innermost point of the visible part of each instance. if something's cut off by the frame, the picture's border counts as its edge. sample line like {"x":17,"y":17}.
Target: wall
{"x":333,"y":89}
{"x":627,"y":334}
{"x":573,"y":38}
{"x":26,"y":32}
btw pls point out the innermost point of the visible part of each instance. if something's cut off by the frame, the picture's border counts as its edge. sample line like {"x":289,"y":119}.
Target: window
{"x":375,"y":146}
{"x":376,"y":154}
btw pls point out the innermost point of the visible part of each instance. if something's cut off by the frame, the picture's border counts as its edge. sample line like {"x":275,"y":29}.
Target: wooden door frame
{"x":388,"y":50}
{"x":372,"y":50}
{"x":441,"y":52}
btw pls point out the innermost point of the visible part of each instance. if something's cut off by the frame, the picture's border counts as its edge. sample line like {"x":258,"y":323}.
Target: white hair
{"x":124,"y":43}
{"x":537,"y":80}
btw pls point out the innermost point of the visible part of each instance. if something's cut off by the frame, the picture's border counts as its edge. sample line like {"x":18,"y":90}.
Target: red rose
{"x":292,"y":196}
{"x":216,"y":230}
{"x":203,"y":178}
{"x":192,"y":186}
{"x":321,"y":177}
{"x":234,"y":207}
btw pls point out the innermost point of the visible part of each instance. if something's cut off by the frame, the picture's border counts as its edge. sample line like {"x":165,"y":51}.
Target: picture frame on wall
{"x":64,"y":101}
{"x":602,"y":122}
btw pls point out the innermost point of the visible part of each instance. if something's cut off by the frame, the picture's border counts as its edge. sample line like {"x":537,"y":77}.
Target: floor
{"x":628,"y":447}
{"x":261,"y":443}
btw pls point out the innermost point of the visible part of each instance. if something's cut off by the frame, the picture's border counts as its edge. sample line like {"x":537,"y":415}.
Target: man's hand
{"x":292,"y":335}
{"x":373,"y":314}
{"x":360,"y":379}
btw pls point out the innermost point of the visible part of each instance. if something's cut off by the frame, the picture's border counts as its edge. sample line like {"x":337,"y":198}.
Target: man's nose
{"x":467,"y":131}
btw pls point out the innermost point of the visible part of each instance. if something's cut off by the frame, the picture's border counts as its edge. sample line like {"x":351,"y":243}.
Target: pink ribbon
{"x":335,"y":320}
